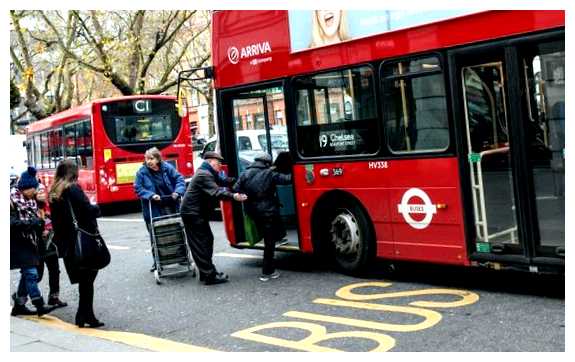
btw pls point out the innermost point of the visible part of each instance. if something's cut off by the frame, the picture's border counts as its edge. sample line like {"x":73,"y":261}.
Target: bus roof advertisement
{"x":316,"y":28}
{"x":255,"y":45}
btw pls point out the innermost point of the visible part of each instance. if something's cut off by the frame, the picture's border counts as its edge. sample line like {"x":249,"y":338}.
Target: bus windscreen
{"x":137,"y":122}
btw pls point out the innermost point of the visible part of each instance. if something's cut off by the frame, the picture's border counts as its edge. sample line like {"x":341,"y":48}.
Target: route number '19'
{"x":323,"y":140}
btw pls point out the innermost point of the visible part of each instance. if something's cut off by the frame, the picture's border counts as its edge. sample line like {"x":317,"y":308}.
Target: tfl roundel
{"x":407,"y":208}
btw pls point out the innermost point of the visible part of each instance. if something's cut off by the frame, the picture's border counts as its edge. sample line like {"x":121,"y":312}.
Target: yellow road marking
{"x":317,"y":334}
{"x":431,"y":317}
{"x":132,"y":339}
{"x":466,"y":297}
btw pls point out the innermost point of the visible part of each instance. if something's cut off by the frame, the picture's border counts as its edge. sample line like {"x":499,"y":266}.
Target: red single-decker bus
{"x":107,"y":138}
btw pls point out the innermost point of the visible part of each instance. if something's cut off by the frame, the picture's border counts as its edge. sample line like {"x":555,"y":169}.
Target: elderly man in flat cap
{"x":204,"y":191}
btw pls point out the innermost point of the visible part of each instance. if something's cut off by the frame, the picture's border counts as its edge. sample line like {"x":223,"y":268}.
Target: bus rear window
{"x":140,"y":122}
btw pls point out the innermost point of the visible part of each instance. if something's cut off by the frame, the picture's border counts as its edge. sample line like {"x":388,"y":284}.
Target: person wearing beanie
{"x":28,"y":179}
{"x":25,"y":243}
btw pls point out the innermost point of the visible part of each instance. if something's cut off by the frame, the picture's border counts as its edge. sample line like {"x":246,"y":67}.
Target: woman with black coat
{"x":66,"y":193}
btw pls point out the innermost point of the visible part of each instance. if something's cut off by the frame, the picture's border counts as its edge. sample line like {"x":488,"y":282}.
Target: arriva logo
{"x":235,"y":55}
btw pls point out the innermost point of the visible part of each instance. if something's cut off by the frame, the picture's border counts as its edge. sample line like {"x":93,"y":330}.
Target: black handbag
{"x":91,"y":251}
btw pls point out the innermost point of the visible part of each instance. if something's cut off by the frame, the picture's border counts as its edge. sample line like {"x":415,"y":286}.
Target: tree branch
{"x":136,"y":56}
{"x":67,"y":50}
{"x":162,"y":42}
{"x":31,"y":92}
{"x":162,"y":88}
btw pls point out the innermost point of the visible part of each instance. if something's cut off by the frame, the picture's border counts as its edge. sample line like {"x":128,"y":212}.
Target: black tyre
{"x":350,"y":237}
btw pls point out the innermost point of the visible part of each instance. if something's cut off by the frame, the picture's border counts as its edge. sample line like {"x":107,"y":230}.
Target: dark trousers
{"x":53,"y":266}
{"x":201,"y":242}
{"x":86,"y":291}
{"x":272,"y":229}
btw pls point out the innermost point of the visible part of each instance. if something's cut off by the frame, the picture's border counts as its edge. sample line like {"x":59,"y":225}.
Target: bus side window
{"x":37,"y":152}
{"x":70,"y":142}
{"x":84,"y":144}
{"x":337,"y":113}
{"x":416,"y":118}
{"x":45,"y":150}
{"x":56,"y":151}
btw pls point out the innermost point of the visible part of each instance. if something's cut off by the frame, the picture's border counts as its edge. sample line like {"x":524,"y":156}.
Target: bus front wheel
{"x":351,"y":238}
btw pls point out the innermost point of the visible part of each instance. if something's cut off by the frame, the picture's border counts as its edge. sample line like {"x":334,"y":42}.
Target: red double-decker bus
{"x":107,"y":138}
{"x":434,"y":138}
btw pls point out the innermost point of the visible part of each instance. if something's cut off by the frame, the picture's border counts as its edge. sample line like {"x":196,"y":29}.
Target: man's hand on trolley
{"x":240,"y":197}
{"x":156,"y":197}
{"x":175,"y":195}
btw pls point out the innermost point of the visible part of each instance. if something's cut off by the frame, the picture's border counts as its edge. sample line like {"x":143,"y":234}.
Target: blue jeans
{"x":28,"y":285}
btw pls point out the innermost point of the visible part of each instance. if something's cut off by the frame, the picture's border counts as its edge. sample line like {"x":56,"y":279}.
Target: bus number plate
{"x":378,"y":164}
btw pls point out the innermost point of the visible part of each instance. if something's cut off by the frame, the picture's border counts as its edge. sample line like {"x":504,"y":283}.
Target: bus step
{"x":497,"y":248}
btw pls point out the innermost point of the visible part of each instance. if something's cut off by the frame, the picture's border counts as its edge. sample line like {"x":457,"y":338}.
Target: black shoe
{"x":91,"y":322}
{"x":42,"y":308}
{"x":204,"y":277}
{"x":218,"y":278}
{"x":153,"y":268}
{"x":56,"y":302}
{"x":21,"y":309}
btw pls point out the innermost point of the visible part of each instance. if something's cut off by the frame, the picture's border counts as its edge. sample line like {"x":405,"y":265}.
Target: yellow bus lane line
{"x":143,"y":341}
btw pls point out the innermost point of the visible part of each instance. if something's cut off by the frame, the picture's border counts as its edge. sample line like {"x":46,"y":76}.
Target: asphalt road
{"x":414,"y":308}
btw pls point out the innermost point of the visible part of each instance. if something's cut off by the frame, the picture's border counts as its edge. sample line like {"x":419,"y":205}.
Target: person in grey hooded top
{"x":259,"y":182}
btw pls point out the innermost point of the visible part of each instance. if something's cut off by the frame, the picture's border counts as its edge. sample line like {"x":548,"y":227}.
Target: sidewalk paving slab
{"x":30,"y":336}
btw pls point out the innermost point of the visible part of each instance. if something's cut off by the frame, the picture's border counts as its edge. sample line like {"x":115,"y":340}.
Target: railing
{"x":480,"y":213}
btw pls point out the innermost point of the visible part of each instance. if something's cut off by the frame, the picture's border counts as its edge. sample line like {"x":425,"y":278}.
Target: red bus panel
{"x":262,"y":36}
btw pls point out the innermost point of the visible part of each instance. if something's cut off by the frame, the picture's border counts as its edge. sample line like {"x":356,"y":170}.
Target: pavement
{"x":32,"y":336}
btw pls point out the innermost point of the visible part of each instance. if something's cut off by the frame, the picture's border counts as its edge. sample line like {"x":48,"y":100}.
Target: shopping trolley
{"x":169,"y":245}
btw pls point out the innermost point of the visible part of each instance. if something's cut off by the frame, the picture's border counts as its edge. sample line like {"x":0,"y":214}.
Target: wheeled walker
{"x":169,"y":245}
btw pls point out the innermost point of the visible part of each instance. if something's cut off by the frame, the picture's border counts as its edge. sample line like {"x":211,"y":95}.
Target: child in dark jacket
{"x":25,"y":244}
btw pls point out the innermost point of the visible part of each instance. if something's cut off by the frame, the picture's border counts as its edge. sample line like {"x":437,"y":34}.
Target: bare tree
{"x":63,"y":58}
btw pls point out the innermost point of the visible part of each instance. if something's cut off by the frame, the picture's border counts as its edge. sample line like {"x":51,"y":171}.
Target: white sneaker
{"x":281,"y":242}
{"x":266,"y":277}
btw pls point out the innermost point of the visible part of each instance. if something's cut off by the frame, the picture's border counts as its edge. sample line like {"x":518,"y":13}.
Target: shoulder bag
{"x":91,"y":251}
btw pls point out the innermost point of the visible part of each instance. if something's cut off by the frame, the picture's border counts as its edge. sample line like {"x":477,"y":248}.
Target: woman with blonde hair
{"x":328,"y":27}
{"x":65,"y":197}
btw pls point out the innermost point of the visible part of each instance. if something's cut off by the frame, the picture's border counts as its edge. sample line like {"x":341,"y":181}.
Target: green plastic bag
{"x":253,"y":235}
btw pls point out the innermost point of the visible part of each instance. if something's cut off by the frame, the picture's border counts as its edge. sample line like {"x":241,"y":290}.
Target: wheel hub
{"x":345,"y":234}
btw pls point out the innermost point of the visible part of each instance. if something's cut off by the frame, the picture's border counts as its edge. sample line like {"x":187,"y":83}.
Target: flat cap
{"x":211,"y":154}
